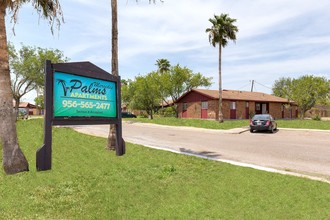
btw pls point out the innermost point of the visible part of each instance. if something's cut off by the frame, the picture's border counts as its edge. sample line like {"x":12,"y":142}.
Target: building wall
{"x":194,"y":108}
{"x":275,"y":109}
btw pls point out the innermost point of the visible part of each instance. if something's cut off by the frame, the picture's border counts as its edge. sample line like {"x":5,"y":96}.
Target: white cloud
{"x":276,"y":38}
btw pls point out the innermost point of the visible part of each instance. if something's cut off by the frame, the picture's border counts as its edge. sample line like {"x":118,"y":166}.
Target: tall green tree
{"x":14,"y":160}
{"x":222,"y":30}
{"x":27,"y":68}
{"x":282,"y":88}
{"x":179,"y":80}
{"x":308,"y":90}
{"x":305,"y":91}
{"x":114,"y":62}
{"x":145,"y":93}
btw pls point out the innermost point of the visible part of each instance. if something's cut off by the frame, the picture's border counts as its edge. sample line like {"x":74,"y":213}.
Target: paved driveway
{"x":306,"y":152}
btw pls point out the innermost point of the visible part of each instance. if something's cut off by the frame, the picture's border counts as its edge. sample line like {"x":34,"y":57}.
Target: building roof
{"x":25,"y":105}
{"x":239,"y":95}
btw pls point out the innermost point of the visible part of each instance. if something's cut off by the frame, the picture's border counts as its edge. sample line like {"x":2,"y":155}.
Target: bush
{"x":167,"y":112}
{"x":316,"y":118}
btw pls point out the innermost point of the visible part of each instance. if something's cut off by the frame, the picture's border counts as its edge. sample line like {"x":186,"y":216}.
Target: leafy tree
{"x":283,"y":88}
{"x":180,"y":80}
{"x":27,"y":68}
{"x":145,"y":93}
{"x":125,"y":93}
{"x":306,"y":91}
{"x":222,"y":30}
{"x":40,"y":101}
{"x":14,"y":160}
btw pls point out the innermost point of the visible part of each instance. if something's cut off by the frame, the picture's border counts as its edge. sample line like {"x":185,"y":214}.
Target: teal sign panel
{"x":79,"y":96}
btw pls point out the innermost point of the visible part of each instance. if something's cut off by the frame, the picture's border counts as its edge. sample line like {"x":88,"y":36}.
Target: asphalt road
{"x":306,"y":152}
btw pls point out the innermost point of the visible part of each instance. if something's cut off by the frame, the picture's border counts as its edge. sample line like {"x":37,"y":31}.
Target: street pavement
{"x":300,"y":152}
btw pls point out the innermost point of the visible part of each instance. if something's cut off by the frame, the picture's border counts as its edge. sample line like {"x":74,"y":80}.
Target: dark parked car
{"x":263,"y":122}
{"x":127,"y":115}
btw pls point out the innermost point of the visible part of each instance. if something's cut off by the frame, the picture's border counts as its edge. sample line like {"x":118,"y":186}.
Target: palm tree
{"x":14,"y":160}
{"x":163,"y":65}
{"x":222,"y":30}
{"x":114,"y":65}
{"x":114,"y":62}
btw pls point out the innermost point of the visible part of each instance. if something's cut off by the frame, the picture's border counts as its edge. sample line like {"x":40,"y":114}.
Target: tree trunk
{"x":14,"y":160}
{"x":151,"y":115}
{"x":302,"y":113}
{"x":114,"y":66}
{"x":220,"y":86}
{"x":17,"y":101}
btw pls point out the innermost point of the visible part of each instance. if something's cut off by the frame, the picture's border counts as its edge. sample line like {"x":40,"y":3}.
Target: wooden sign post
{"x":79,"y":93}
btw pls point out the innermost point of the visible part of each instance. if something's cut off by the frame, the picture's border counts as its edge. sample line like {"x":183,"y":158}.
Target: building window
{"x":205,"y":105}
{"x":233,"y":105}
{"x":258,"y":107}
{"x":185,"y":106}
{"x":246,"y":104}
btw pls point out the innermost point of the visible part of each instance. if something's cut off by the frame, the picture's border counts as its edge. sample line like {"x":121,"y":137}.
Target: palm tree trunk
{"x":14,"y":160}
{"x":114,"y":66}
{"x":220,"y":85}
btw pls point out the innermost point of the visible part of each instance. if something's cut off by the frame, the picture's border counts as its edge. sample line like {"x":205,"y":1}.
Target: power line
{"x":263,"y":85}
{"x":248,"y":84}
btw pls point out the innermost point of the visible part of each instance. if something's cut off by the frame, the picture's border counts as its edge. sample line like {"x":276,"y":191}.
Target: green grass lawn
{"x":229,"y":124}
{"x":89,"y":182}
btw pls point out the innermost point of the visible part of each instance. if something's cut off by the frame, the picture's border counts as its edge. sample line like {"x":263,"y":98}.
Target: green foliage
{"x":283,"y":88}
{"x":222,"y":30}
{"x":39,"y":101}
{"x":177,"y":81}
{"x":27,"y":67}
{"x":89,"y":182}
{"x":27,"y":64}
{"x":163,"y":65}
{"x":144,"y":93}
{"x":306,"y":91}
{"x":317,"y":118}
{"x":49,"y":9}
{"x":148,"y":92}
{"x":167,"y":112}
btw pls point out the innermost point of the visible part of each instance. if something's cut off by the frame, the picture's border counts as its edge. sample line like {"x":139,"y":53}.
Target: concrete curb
{"x":230,"y":131}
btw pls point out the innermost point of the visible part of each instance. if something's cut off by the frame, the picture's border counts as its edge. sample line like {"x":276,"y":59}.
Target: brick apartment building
{"x":203,"y":103}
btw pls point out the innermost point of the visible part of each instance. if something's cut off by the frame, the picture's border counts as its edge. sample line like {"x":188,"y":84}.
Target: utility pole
{"x":252,"y":85}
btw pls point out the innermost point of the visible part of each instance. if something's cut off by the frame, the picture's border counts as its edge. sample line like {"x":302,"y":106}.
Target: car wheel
{"x":251,"y":130}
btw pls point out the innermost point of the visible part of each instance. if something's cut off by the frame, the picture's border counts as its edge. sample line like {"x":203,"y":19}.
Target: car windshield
{"x":261,"y":117}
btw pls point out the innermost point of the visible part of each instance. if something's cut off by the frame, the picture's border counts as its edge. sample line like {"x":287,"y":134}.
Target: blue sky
{"x":276,"y":38}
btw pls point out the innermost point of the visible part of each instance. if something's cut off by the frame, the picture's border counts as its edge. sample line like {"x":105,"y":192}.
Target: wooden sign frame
{"x":79,"y":69}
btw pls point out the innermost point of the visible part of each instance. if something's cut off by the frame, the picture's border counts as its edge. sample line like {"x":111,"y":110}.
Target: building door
{"x":258,"y":108}
{"x":232,"y":110}
{"x":204,"y":109}
{"x":264,"y":108}
{"x":283,"y":111}
{"x":247,"y":111}
{"x":185,"y":110}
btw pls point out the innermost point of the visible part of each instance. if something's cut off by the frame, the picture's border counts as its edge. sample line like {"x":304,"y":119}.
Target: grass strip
{"x":89,"y":182}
